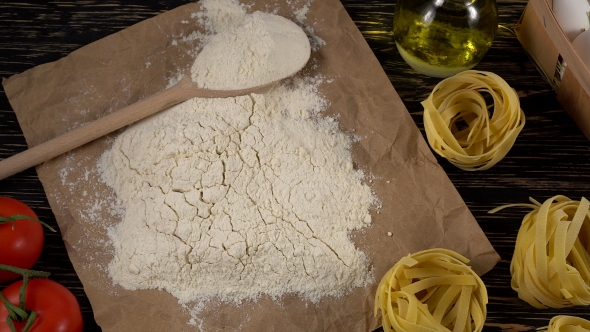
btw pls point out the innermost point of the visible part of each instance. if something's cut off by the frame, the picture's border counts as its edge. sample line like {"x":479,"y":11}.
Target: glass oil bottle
{"x":443,"y":37}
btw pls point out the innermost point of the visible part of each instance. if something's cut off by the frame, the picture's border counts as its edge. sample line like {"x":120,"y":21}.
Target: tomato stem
{"x":10,"y":324}
{"x":30,"y":321}
{"x":13,"y":218}
{"x":14,"y":312}
{"x":20,"y":313}
{"x":23,"y":272}
{"x":23,"y":292}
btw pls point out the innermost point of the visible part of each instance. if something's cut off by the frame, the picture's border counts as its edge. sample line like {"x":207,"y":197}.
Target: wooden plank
{"x":550,"y":157}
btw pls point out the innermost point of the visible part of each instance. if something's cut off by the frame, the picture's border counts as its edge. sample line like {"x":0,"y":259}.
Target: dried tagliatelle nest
{"x":458,"y":123}
{"x":432,"y":290}
{"x":551,"y":264}
{"x":564,"y":323}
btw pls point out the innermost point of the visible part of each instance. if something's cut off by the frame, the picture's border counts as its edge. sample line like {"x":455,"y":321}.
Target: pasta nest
{"x":564,"y":323}
{"x":432,"y":290}
{"x":458,"y":124}
{"x":551,"y":265}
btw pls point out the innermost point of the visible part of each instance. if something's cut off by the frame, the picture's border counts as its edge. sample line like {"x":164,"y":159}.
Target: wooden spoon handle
{"x":95,"y":129}
{"x":184,"y":90}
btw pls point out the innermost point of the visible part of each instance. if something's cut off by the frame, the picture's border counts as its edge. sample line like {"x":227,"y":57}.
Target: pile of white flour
{"x":239,"y":197}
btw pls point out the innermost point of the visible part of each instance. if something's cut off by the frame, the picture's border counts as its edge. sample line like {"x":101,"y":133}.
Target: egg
{"x":582,"y":47}
{"x":572,"y":16}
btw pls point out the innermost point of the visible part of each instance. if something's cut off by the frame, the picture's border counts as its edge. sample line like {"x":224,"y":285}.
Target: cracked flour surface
{"x":237,"y":198}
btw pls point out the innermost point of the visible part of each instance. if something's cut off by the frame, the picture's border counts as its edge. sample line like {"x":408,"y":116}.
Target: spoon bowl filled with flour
{"x":264,"y":49}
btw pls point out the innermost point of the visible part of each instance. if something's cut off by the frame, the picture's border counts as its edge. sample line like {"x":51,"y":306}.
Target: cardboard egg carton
{"x":542,"y":38}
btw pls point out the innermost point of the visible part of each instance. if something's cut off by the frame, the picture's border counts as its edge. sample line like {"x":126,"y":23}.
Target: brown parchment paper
{"x":420,"y":206}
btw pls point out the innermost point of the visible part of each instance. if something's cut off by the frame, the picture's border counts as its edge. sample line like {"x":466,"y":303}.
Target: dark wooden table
{"x":550,"y":157}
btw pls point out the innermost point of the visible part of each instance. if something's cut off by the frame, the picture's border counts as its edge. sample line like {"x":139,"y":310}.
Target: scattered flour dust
{"x":238,"y":198}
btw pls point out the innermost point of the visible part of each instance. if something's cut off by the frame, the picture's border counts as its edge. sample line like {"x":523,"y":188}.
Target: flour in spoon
{"x":237,"y":198}
{"x":260,"y":49}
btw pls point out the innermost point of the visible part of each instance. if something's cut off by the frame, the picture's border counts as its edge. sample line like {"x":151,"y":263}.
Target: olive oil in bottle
{"x":443,"y":37}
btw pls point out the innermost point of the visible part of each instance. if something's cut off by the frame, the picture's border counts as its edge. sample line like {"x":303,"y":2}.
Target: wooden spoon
{"x":289,"y":40}
{"x":184,"y":90}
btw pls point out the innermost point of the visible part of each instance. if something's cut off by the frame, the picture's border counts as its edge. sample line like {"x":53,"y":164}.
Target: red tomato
{"x":57,"y":308}
{"x":21,"y":241}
